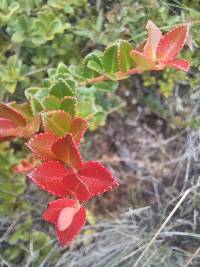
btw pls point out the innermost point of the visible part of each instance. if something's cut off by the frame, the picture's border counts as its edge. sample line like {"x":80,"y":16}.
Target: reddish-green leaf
{"x":78,"y":128}
{"x":10,"y":113}
{"x":66,"y":150}
{"x":5,"y":126}
{"x":153,"y":39}
{"x":142,"y":62}
{"x":41,"y":144}
{"x":31,"y":128}
{"x":172,"y":43}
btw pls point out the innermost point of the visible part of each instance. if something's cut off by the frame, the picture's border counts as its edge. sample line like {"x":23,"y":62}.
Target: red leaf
{"x":172,"y":43}
{"x":10,"y":113}
{"x":49,"y":176}
{"x":65,"y":237}
{"x":142,"y":62}
{"x":180,"y":64}
{"x":153,"y":39}
{"x":93,"y":179}
{"x":19,"y":131}
{"x":54,"y":208}
{"x":73,"y":185}
{"x":68,"y":217}
{"x":65,"y":149}
{"x":65,"y":218}
{"x":78,"y":128}
{"x":97,"y":178}
{"x":41,"y":143}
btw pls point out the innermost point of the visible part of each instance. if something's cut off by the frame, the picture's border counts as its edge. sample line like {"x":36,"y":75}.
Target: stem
{"x":120,"y":76}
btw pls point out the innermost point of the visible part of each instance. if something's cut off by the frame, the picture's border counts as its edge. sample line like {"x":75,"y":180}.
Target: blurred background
{"x":147,"y":133}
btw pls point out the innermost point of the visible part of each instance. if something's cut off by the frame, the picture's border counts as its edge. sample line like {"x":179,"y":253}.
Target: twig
{"x":193,"y":256}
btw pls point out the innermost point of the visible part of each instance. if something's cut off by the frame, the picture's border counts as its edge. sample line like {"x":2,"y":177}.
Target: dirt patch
{"x":139,"y":147}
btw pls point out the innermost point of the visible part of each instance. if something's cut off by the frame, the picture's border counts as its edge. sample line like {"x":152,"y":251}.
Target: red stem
{"x":120,"y":76}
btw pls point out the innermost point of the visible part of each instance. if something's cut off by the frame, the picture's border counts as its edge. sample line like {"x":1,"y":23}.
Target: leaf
{"x":153,"y":39}
{"x":49,"y":176}
{"x":93,"y":65}
{"x":5,"y":125}
{"x":172,"y":43}
{"x":68,"y":217}
{"x":61,"y":89}
{"x":10,"y":113}
{"x":110,"y":60}
{"x":56,"y":26}
{"x":142,"y":61}
{"x":31,"y":128}
{"x":51,"y":103}
{"x":91,"y":180}
{"x":79,"y":220}
{"x":40,"y":144}
{"x":97,"y":178}
{"x":180,"y":64}
{"x":65,"y":218}
{"x":54,"y":208}
{"x":24,"y":109}
{"x":75,"y":186}
{"x":125,"y":61}
{"x":69,"y":104}
{"x":57,"y":122}
{"x":62,"y":68}
{"x":78,"y":128}
{"x":66,"y":150}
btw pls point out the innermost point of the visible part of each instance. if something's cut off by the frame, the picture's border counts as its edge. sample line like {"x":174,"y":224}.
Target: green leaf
{"x":93,"y":65}
{"x":110,"y":62}
{"x":51,"y":103}
{"x":62,"y":68}
{"x":124,"y":59}
{"x":56,"y":27}
{"x":69,"y":104}
{"x":61,"y":89}
{"x":57,"y":122}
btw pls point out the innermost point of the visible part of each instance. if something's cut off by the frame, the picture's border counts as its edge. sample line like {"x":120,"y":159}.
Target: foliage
{"x":27,"y":53}
{"x":63,"y":173}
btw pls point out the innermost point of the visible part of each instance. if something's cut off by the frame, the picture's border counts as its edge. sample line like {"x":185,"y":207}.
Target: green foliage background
{"x":35,"y":36}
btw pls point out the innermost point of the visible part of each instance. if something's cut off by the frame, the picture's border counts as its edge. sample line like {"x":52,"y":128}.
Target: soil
{"x":136,"y":145}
